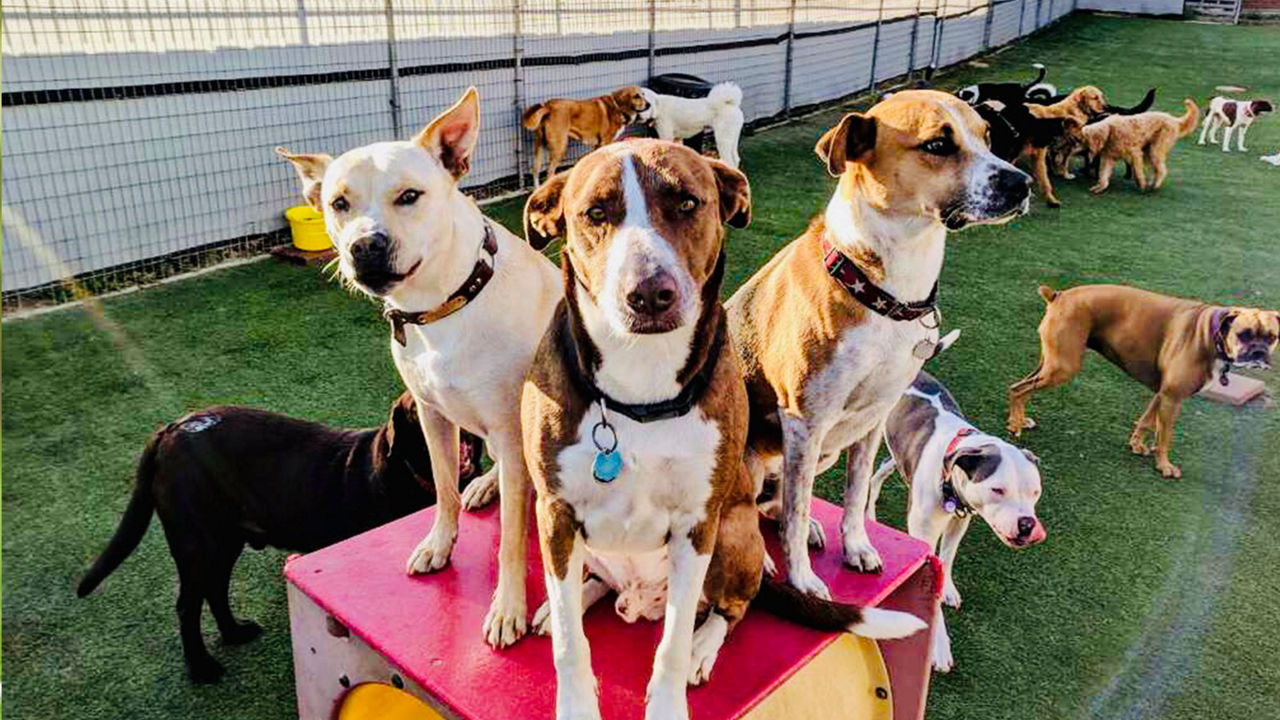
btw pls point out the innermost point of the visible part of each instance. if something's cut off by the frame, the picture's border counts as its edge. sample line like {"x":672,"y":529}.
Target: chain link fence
{"x":138,"y":134}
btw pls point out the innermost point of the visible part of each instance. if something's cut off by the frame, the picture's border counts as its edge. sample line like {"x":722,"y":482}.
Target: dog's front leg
{"x":927,"y":522}
{"x":1240,"y":137}
{"x":1166,"y":418}
{"x":506,"y":621}
{"x":442,"y":443}
{"x":563,"y":553}
{"x":1226,"y":137}
{"x":666,"y":692}
{"x":951,"y":538}
{"x":859,"y":553}
{"x":799,"y":464}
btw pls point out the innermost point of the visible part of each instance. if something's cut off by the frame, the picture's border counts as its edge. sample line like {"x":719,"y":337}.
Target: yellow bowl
{"x":307,"y":227}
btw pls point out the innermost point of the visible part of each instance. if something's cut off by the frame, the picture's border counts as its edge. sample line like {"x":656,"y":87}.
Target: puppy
{"x":677,"y":118}
{"x":953,"y":472}
{"x":635,"y":418}
{"x":1076,"y":109}
{"x":1232,"y":115}
{"x":1173,"y":346}
{"x":1009,"y":93}
{"x":1136,"y":140}
{"x":834,"y":328}
{"x":467,"y":302}
{"x":593,"y":122}
{"x":223,"y":477}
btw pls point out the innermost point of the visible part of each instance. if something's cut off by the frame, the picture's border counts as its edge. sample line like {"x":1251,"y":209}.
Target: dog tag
{"x":607,"y":466}
{"x":949,"y":506}
{"x":924,"y":349}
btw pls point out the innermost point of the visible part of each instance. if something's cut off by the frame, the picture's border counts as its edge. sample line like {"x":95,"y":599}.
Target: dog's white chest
{"x":663,"y":487}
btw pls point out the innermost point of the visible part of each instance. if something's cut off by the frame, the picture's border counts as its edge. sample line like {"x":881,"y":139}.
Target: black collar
{"x":689,"y":394}
{"x":1219,"y":325}
{"x":471,"y":287}
{"x":848,"y":274}
{"x":952,"y":503}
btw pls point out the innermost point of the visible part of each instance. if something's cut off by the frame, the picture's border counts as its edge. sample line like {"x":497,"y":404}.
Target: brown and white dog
{"x":823,"y":361}
{"x":954,"y":471}
{"x":593,"y":122}
{"x":1173,"y":346}
{"x":468,"y":301}
{"x":1075,"y":110}
{"x":635,"y":420}
{"x":1232,"y":115}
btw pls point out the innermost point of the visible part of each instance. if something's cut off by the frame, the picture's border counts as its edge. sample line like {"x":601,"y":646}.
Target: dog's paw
{"x":770,"y":567}
{"x":432,"y":553}
{"x":1140,"y":447}
{"x":950,"y":595}
{"x":1169,"y":470}
{"x":241,"y":633}
{"x":707,"y":641}
{"x":578,"y":702}
{"x":481,"y":491}
{"x":807,"y":581}
{"x":665,"y":703}
{"x":541,"y":624}
{"x":204,"y":670}
{"x":1053,"y":202}
{"x":861,"y":556}
{"x":1097,"y":189}
{"x":1068,"y":175}
{"x":506,"y":621}
{"x":941,"y":656}
{"x":817,"y":535}
{"x":1015,"y":427}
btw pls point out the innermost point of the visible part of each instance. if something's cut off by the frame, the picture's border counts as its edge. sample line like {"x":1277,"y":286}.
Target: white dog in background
{"x":1272,"y":159}
{"x":677,"y":118}
{"x":1233,"y":115}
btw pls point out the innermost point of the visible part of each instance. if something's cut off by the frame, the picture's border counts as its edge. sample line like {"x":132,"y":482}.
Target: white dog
{"x":677,"y":118}
{"x":1233,"y":115}
{"x":468,"y":303}
{"x":1272,"y":159}
{"x":955,"y":471}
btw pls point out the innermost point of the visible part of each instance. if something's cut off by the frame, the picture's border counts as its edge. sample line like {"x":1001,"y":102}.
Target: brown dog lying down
{"x":1075,"y":111}
{"x":1173,"y":346}
{"x":593,"y":122}
{"x":1136,"y":140}
{"x":225,"y":476}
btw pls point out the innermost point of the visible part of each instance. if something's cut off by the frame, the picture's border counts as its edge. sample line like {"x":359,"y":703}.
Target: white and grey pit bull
{"x":955,"y":471}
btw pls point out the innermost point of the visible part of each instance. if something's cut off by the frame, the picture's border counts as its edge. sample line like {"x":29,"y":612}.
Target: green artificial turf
{"x":1150,"y":598}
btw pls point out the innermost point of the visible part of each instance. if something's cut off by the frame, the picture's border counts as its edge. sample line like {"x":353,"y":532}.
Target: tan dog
{"x":1173,"y":346}
{"x":593,"y":122}
{"x":835,"y":327}
{"x":635,"y":420}
{"x":1136,"y":139}
{"x":468,"y":302}
{"x":1075,"y":110}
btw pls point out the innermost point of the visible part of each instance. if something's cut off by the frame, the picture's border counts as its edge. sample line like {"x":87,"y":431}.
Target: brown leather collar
{"x":847,"y":273}
{"x":471,"y":287}
{"x":1219,"y":326}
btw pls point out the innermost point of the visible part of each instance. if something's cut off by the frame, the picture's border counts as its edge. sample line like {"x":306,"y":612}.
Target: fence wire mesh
{"x":138,"y":134}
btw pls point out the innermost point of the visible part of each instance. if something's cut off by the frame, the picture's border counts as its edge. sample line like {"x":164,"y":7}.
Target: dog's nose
{"x":654,"y":295}
{"x":1026,"y":526}
{"x":373,"y":246}
{"x":1259,"y":355}
{"x":1013,"y":183}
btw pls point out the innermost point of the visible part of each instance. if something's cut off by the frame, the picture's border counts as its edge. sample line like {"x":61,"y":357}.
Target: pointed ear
{"x":850,"y":141}
{"x":452,"y":135}
{"x":310,"y":170}
{"x":735,"y":195}
{"x":543,"y":213}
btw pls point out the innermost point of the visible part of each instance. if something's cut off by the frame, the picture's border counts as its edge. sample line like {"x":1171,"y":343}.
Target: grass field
{"x":1150,"y":599}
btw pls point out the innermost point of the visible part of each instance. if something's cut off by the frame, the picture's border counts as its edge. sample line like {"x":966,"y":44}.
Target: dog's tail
{"x":532,"y":116}
{"x":785,"y":601}
{"x":133,"y":526}
{"x":1187,"y":123}
{"x":1039,"y":78}
{"x":1144,"y":105}
{"x":725,"y":93}
{"x":1048,"y":293}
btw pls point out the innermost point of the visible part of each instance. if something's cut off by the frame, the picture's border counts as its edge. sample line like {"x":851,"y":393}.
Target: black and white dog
{"x":955,"y":471}
{"x":1009,"y":93}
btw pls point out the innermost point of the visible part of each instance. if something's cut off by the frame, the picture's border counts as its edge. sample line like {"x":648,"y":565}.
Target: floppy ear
{"x":1035,"y":459}
{"x":543,"y":215}
{"x":452,"y":135}
{"x":310,"y":169}
{"x":735,"y":195}
{"x":849,"y":141}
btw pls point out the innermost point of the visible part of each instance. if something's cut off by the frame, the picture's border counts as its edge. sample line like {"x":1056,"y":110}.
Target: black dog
{"x":1013,"y":129}
{"x":1009,"y":93}
{"x":226,"y":476}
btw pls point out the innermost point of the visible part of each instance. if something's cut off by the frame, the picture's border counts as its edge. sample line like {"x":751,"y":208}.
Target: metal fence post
{"x":394,"y":68}
{"x":1039,"y":5}
{"x":875,"y":45}
{"x":915,"y":32}
{"x":791,"y":41}
{"x":517,"y":56}
{"x":939,"y":27}
{"x":986,"y":28}
{"x":1022,"y":14}
{"x":653,"y":27}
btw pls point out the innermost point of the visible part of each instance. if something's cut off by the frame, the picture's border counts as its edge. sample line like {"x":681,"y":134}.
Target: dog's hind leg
{"x":481,"y":491}
{"x":1204,"y":128}
{"x":1062,"y":346}
{"x":201,"y":666}
{"x":539,"y":150}
{"x":218,"y":593}
{"x":1159,"y":163}
{"x":1240,"y":138}
{"x":1226,"y":137}
{"x":1134,"y":158}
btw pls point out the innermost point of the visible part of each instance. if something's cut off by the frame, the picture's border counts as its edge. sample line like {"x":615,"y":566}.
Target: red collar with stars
{"x":847,"y":273}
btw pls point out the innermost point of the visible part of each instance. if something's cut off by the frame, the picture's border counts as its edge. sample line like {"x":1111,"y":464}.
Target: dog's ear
{"x":310,"y":169}
{"x":735,"y":195}
{"x":850,"y":141}
{"x":543,"y":214}
{"x":452,"y":135}
{"x":970,"y":460}
{"x":1035,"y":459}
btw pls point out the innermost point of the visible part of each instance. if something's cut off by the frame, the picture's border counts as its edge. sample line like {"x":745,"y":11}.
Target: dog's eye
{"x":595,"y":213}
{"x":688,"y":205}
{"x":340,"y":204}
{"x":1246,"y":335}
{"x":939,"y":146}
{"x":408,"y":197}
{"x":998,"y":492}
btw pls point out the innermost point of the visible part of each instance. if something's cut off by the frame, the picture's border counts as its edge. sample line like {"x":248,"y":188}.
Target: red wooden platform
{"x":429,"y":626}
